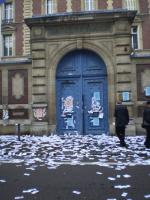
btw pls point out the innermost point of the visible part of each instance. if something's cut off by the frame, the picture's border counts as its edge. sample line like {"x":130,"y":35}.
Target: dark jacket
{"x":146,"y":118}
{"x":121,"y":115}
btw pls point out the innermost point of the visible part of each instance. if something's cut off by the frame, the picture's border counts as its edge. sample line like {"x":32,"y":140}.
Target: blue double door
{"x":81,"y":94}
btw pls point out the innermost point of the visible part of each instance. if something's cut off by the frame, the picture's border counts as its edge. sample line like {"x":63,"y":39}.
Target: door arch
{"x":81,"y":94}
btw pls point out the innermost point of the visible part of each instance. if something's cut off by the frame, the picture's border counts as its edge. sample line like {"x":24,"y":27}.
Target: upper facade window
{"x":50,"y":6}
{"x":89,"y":5}
{"x":134,"y":35}
{"x":8,"y":12}
{"x":131,"y":4}
{"x":8,"y":45}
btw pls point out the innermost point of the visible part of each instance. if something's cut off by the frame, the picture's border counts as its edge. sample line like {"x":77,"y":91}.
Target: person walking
{"x":121,"y":120}
{"x":146,"y":123}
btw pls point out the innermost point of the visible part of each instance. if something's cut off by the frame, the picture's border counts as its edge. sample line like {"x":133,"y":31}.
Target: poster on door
{"x":67,"y":112}
{"x":96,"y":111}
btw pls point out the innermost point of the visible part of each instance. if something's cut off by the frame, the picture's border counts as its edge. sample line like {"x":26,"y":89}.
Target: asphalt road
{"x":74,"y":168}
{"x":74,"y":182}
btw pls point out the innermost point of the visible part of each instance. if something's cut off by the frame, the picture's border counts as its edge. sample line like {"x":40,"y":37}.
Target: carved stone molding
{"x":18,"y":86}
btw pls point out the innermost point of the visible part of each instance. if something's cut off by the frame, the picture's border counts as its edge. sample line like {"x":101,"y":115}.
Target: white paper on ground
{"x":124,"y":194}
{"x":76,"y":192}
{"x":147,"y":196}
{"x":32,"y":191}
{"x":19,"y":197}
{"x":122,"y":186}
{"x":2,"y":181}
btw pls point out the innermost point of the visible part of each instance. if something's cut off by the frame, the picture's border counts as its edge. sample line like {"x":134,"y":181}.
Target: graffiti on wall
{"x":96,"y":112}
{"x":39,"y":113}
{"x":5,"y":116}
{"x":67,"y":112}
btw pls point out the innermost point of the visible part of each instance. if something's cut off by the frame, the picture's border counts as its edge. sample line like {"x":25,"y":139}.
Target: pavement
{"x":74,"y":168}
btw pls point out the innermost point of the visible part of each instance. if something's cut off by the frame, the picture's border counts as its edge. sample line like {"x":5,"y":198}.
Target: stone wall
{"x":51,"y":41}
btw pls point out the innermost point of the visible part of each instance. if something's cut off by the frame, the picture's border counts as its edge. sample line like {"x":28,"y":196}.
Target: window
{"x":134,"y":33}
{"x":7,"y":47}
{"x":8,"y":12}
{"x":50,"y":6}
{"x":131,"y":4}
{"x":89,"y":5}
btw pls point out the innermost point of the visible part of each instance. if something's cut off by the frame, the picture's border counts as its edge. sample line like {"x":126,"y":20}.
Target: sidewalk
{"x":75,"y":167}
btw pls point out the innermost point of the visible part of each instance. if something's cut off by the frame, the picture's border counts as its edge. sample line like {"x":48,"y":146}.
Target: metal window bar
{"x":131,"y":4}
{"x":89,"y":5}
{"x":50,"y":6}
{"x":134,"y":33}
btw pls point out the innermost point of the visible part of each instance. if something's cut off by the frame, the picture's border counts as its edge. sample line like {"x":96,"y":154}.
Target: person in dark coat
{"x":146,"y":124}
{"x":121,"y":120}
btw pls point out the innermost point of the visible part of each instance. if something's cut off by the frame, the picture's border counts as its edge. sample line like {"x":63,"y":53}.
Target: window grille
{"x":131,"y":4}
{"x":89,"y":5}
{"x":134,"y":33}
{"x":50,"y":6}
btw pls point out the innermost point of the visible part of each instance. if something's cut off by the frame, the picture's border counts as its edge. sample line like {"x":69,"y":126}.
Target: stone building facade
{"x":65,"y":63}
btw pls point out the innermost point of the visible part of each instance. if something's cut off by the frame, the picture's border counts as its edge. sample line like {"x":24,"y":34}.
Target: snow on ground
{"x":54,"y":150}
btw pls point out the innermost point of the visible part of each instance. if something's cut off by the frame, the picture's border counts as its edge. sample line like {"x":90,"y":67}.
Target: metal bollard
{"x":18,"y":131}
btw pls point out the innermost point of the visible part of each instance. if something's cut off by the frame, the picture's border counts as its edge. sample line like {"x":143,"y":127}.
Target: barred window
{"x":89,"y":5}
{"x":50,"y":6}
{"x":134,"y":34}
{"x":131,"y":4}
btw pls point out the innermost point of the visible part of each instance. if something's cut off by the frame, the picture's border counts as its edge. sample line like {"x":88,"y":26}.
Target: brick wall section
{"x":62,"y":5}
{"x":76,"y":5}
{"x":19,"y":40}
{"x":102,"y":4}
{"x":37,"y":7}
{"x":117,"y":4}
{"x":18,"y":11}
{"x":146,"y":32}
{"x":19,"y":28}
{"x":0,"y":87}
{"x":143,"y":4}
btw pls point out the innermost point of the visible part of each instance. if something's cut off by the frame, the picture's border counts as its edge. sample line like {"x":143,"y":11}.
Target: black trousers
{"x":120,"y":131}
{"x":147,"y":140}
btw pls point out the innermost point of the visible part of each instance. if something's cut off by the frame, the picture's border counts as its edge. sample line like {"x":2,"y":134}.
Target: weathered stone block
{"x":123,"y":78}
{"x":38,"y":46}
{"x":123,"y":59}
{"x":38,"y":54}
{"x":39,"y":72}
{"x":38,"y":80}
{"x":123,"y":87}
{"x":39,"y":98}
{"x":39,"y":89}
{"x":123,"y":68}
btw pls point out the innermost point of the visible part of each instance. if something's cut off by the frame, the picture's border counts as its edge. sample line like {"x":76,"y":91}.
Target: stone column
{"x":39,"y":84}
{"x":124,"y":68}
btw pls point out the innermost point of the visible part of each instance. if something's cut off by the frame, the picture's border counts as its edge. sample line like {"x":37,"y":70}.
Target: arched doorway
{"x":81,"y":94}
